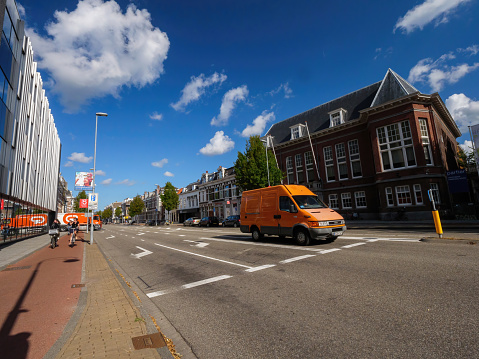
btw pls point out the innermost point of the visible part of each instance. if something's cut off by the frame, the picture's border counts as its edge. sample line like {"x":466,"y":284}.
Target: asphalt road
{"x":369,"y":294}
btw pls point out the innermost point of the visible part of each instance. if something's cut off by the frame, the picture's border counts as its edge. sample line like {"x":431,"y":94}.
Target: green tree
{"x":136,"y":206}
{"x":118,"y":212}
{"x":170,"y":198}
{"x":466,"y":160}
{"x":251,"y":169}
{"x":107,"y":213}
{"x":76,"y":203}
{"x":99,"y":213}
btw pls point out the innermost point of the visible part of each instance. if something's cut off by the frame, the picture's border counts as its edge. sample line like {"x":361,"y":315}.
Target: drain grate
{"x":77,"y":285}
{"x":16,"y":268}
{"x":148,"y":341}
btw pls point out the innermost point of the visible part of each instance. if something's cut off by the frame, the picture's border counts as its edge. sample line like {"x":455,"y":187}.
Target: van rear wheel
{"x":301,"y":237}
{"x":256,"y":235}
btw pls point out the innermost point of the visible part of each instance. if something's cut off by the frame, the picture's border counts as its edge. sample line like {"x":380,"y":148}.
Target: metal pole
{"x":94,"y":180}
{"x":267,"y":164}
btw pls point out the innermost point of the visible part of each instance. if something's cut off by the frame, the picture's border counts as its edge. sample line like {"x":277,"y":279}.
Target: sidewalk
{"x":43,"y":315}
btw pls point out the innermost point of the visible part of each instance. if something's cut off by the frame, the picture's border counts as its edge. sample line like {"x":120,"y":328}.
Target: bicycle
{"x":54,"y":234}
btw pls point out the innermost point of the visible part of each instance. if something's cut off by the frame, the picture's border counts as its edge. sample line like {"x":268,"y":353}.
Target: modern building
{"x":62,"y":196}
{"x":29,"y":143}
{"x":376,"y":153}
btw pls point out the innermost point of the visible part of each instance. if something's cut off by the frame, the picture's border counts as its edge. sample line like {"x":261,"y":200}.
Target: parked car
{"x":192,"y":221}
{"x":209,"y":221}
{"x":232,"y":221}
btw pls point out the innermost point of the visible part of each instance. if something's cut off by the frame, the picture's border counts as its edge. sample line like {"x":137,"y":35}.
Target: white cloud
{"x":68,"y":164}
{"x":100,"y":173}
{"x":473,"y":50}
{"x":428,"y":11}
{"x":156,"y":116}
{"x":259,"y":124}
{"x":196,"y":88}
{"x":466,"y":146}
{"x":230,"y":99}
{"x":464,"y":111}
{"x":79,"y":157}
{"x":218,"y":145}
{"x":21,"y":10}
{"x":438,"y":73}
{"x":160,"y":164}
{"x":288,"y":93}
{"x":126,"y":182}
{"x":168,"y":174}
{"x":106,"y":182}
{"x":94,"y":50}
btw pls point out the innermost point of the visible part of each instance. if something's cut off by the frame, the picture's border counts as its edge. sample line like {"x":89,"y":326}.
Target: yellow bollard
{"x":437,"y":223}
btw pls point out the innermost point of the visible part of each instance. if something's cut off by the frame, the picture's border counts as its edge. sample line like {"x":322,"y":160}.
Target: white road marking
{"x":329,"y":250}
{"x":198,"y":244}
{"x":110,"y":237}
{"x":142,"y":254}
{"x":140,"y":234}
{"x":297,"y":258}
{"x":187,"y":286}
{"x":205,"y":281}
{"x":354,"y":245}
{"x":261,"y":244}
{"x":255,"y":269}
{"x":389,"y":239}
{"x":182,"y":235}
{"x":200,"y":255}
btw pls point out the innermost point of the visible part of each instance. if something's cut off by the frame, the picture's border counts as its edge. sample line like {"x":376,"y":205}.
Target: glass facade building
{"x":29,"y":143}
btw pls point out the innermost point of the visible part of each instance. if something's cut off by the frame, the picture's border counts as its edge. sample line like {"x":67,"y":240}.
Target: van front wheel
{"x":301,"y":237}
{"x":256,"y":235}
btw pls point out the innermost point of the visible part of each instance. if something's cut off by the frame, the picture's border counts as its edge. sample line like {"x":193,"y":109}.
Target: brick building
{"x":374,"y":152}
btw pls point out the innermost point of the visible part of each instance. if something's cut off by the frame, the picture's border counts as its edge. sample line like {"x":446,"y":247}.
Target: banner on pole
{"x":83,"y":203}
{"x":83,"y":181}
{"x":475,"y":141}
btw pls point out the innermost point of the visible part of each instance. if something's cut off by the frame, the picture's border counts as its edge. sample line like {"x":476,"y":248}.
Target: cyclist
{"x":55,"y":225}
{"x":73,"y":226}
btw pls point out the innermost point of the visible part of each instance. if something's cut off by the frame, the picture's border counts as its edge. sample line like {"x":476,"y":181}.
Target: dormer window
{"x":297,"y":131}
{"x":337,"y":117}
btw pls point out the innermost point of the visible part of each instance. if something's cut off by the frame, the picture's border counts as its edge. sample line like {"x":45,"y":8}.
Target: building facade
{"x":218,"y":194}
{"x":376,"y":153}
{"x":29,"y":143}
{"x":189,"y":203}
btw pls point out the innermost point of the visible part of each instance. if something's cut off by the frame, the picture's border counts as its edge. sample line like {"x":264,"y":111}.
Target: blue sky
{"x":185,"y":83}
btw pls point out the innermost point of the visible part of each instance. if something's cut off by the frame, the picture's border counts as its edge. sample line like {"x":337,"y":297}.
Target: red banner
{"x":1,"y":206}
{"x":83,"y":203}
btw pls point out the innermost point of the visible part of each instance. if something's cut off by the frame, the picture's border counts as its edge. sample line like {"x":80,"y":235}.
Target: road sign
{"x":83,"y":203}
{"x":93,"y":201}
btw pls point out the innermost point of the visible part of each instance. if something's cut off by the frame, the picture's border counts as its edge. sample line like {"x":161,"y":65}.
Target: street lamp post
{"x":267,"y":164}
{"x":94,"y":169}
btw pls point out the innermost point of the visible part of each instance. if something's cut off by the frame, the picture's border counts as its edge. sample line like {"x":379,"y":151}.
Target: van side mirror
{"x":292,"y":208}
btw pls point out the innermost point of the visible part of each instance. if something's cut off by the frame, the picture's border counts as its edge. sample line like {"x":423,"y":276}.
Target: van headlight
{"x":317,"y":224}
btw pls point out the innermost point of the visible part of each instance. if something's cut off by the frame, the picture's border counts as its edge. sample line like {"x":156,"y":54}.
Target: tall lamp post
{"x":94,"y":169}
{"x":267,"y":164}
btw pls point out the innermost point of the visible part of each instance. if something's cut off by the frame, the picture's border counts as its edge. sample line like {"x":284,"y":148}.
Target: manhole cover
{"x":148,"y":341}
{"x":17,"y":268}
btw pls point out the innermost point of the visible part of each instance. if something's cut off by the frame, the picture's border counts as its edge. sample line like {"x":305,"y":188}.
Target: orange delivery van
{"x":289,"y":211}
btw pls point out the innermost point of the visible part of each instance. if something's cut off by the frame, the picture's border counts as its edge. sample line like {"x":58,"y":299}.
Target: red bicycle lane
{"x":37,"y":299}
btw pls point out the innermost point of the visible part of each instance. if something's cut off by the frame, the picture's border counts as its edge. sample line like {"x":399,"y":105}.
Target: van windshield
{"x":309,"y":202}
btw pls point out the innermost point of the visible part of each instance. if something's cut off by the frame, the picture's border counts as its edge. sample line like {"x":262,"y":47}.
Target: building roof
{"x":391,"y":87}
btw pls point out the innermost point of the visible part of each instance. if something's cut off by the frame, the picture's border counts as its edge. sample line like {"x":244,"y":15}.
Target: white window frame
{"x":418,"y":196}
{"x":360,"y":199}
{"x":393,"y":138}
{"x":435,"y":193}
{"x":309,"y":166}
{"x":346,"y":197}
{"x":289,"y":168}
{"x":341,"y":160}
{"x":297,"y":131}
{"x":426,"y":143}
{"x":403,"y":192}
{"x":389,"y":196}
{"x":354,"y":158}
{"x":333,"y":201}
{"x":298,"y":161}
{"x":337,"y":117}
{"x":329,"y":162}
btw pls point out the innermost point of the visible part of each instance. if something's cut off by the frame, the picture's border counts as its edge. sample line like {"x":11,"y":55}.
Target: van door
{"x":286,"y":219}
{"x":269,"y":209}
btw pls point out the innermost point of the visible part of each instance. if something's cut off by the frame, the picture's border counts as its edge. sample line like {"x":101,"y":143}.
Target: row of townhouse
{"x":215,"y":194}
